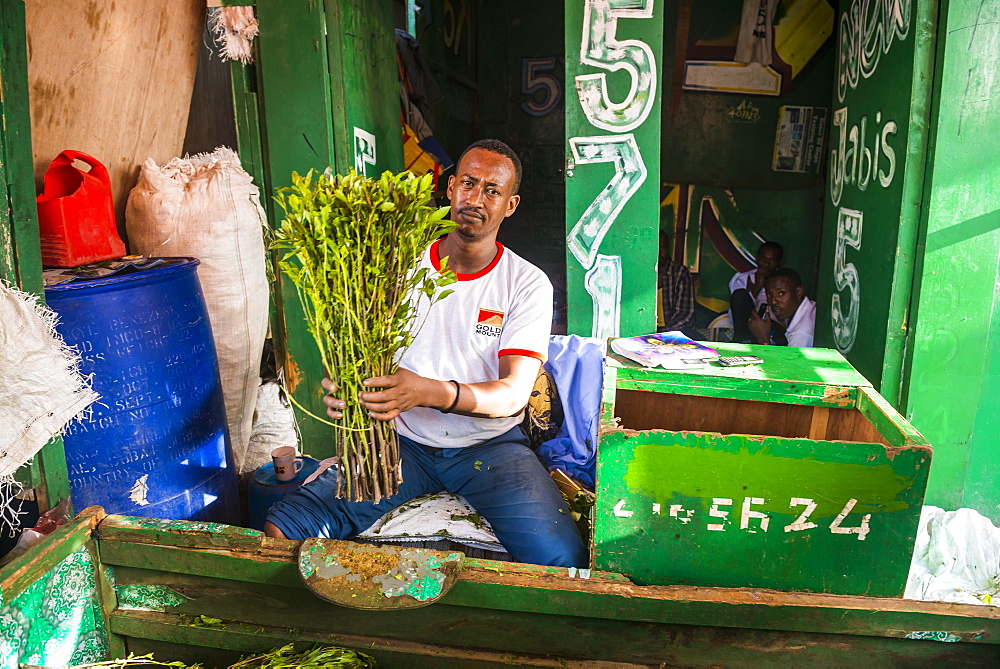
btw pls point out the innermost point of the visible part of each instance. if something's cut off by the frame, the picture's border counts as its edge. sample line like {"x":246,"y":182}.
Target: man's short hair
{"x":498,"y":147}
{"x":793,"y":278}
{"x":772,"y":245}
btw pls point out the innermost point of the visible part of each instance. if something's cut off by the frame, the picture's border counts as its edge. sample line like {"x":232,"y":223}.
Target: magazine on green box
{"x":669,"y":350}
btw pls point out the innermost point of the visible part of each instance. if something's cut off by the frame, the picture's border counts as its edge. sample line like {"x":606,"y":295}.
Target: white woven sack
{"x":206,"y":206}
{"x":273,"y":427}
{"x":42,"y":389}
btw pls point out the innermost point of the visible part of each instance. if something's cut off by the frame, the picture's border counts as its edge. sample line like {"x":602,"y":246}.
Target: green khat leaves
{"x":352,"y":246}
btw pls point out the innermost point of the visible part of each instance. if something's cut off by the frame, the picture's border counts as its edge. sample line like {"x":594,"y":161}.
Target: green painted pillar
{"x":876,"y":151}
{"x":953,"y":379}
{"x":613,"y":73}
{"x":326,"y":95}
{"x":20,"y":249}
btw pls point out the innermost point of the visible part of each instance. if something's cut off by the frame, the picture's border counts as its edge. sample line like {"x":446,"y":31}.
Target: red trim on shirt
{"x":436,"y":262}
{"x":522,"y":351}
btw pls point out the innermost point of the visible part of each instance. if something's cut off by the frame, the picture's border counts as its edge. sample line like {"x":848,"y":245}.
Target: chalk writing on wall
{"x":600,"y":48}
{"x":630,"y":171}
{"x":853,"y":162}
{"x":862,"y":151}
{"x":604,"y":283}
{"x":845,"y":276}
{"x":867,"y":32}
{"x":458,"y":28}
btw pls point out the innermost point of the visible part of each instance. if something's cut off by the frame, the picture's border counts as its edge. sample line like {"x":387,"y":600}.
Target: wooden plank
{"x":107,"y":599}
{"x":52,"y":475}
{"x":248,"y":639}
{"x":854,"y":426}
{"x":255,"y":568}
{"x":244,"y":88}
{"x":363,"y":72}
{"x":21,"y":261}
{"x":644,"y":410}
{"x":819,"y":422}
{"x":182,"y":533}
{"x":756,"y":390}
{"x":437,"y":636}
{"x":112,"y":79}
{"x":889,"y":422}
{"x":541,"y":590}
{"x":35,"y":563}
{"x":248,"y":141}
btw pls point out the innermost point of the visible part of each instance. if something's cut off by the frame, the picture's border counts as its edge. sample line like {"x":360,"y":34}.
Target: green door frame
{"x":20,"y":249}
{"x":323,"y":90}
{"x":952,"y":370}
{"x":612,"y":165}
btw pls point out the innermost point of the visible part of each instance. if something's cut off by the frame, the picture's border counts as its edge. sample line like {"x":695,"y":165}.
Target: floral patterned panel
{"x":57,"y":620}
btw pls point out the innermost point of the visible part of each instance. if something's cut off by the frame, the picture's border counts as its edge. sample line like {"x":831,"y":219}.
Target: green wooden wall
{"x":953,"y":378}
{"x":20,"y":251}
{"x":614,"y":59}
{"x":326,"y":95}
{"x":522,"y":102}
{"x":881,"y":97}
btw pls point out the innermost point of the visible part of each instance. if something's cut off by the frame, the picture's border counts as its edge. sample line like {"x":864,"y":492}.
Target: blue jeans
{"x":501,"y":478}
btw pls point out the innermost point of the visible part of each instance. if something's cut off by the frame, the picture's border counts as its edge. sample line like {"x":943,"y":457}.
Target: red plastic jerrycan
{"x":76,"y":213}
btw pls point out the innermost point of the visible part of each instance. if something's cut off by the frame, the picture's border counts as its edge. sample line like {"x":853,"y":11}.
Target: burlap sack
{"x":207,"y":206}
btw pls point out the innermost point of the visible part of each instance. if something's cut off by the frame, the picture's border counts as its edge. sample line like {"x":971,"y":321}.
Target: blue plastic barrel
{"x":265,"y":489}
{"x":156,"y":442}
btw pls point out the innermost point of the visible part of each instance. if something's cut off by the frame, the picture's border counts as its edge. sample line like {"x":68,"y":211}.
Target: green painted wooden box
{"x":793,"y":475}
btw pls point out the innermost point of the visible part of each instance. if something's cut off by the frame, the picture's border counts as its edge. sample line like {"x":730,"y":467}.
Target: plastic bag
{"x":956,"y":558}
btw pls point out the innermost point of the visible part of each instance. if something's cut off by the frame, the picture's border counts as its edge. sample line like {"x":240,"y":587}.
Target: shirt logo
{"x":490,"y":323}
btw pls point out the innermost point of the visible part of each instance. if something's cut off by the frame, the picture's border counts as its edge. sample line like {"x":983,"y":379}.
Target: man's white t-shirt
{"x":802,"y":327}
{"x":740,"y":279}
{"x":506,"y":309}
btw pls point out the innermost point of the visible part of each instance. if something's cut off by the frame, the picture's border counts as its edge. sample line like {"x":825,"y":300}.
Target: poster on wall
{"x":798,"y":144}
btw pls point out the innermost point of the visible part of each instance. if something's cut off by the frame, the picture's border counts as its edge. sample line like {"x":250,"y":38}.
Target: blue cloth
{"x":501,"y":478}
{"x":577,"y":366}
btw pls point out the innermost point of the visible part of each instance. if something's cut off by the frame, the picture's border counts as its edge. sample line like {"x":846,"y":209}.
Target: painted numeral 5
{"x":534,"y":78}
{"x":599,"y":48}
{"x":845,"y":276}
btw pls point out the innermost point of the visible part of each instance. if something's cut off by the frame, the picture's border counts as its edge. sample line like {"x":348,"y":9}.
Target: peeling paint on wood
{"x":784,"y":480}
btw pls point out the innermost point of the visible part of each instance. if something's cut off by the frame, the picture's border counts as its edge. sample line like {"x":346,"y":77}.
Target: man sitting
{"x":746,"y":289}
{"x":675,"y":293}
{"x":791,"y":320}
{"x":461,"y":386}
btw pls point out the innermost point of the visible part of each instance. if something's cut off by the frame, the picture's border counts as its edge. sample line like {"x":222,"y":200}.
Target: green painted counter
{"x":816,"y":376}
{"x":793,"y":474}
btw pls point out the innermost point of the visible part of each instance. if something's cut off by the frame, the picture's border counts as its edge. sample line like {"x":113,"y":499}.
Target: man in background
{"x":791,"y":316}
{"x":674,"y":293}
{"x":746,"y":289}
